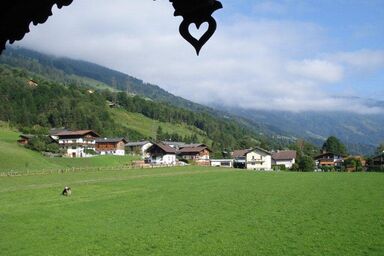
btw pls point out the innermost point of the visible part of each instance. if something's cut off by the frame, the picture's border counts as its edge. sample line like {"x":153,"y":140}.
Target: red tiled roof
{"x":284,"y":155}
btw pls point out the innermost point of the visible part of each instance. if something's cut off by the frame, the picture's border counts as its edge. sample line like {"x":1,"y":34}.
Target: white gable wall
{"x":258,"y":160}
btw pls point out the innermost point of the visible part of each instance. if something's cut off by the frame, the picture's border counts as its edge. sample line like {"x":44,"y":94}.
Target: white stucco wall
{"x":287,"y":163}
{"x":258,"y":160}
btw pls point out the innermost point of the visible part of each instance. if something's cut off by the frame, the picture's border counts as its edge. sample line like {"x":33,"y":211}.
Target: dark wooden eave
{"x":17,"y":15}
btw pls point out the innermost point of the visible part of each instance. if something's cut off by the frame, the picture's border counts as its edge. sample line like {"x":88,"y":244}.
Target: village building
{"x":138,"y":148}
{"x":199,"y":153}
{"x":161,"y":154}
{"x":194,"y":152}
{"x":111,"y":146}
{"x":32,"y":83}
{"x":284,"y":157}
{"x":228,"y":163}
{"x":253,"y":159}
{"x":377,"y":162}
{"x":75,"y":144}
{"x":329,"y":159}
{"x":25,"y":138}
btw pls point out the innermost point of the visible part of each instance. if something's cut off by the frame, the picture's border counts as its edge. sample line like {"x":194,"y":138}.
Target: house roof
{"x":110,"y":140}
{"x":243,"y":152}
{"x":193,"y":149}
{"x":27,"y":136}
{"x":378,"y":156}
{"x":284,"y":155}
{"x":326,"y":154}
{"x":173,"y":143}
{"x":163,"y":147}
{"x":193,"y":145}
{"x":77,"y":133}
{"x":55,"y":131}
{"x":137,"y":143}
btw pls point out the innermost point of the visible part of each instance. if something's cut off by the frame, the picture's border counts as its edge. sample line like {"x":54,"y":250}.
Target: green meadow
{"x":16,"y":158}
{"x":192,"y":211}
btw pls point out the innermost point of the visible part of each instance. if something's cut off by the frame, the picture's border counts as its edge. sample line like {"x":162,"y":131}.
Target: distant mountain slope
{"x":65,"y":69}
{"x":68,"y":71}
{"x":361,"y":133}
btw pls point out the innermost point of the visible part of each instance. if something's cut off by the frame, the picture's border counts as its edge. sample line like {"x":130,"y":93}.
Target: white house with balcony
{"x":76,"y":144}
{"x":253,"y":159}
{"x":161,"y":154}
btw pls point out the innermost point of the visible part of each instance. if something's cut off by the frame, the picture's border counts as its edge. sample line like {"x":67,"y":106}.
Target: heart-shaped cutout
{"x":198,"y":31}
{"x":198,"y":43}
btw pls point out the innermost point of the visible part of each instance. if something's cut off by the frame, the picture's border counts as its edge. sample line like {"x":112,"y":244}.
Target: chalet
{"x":77,"y":143}
{"x":138,"y":148}
{"x":285,"y":157}
{"x":25,"y":138}
{"x":377,"y":163}
{"x":194,"y":153}
{"x":113,"y":146}
{"x":160,"y":154}
{"x":253,"y":159}
{"x":329,"y":159}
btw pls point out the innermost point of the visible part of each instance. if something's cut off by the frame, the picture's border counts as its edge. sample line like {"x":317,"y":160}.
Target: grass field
{"x":148,"y":127}
{"x":193,"y":211}
{"x":17,"y":158}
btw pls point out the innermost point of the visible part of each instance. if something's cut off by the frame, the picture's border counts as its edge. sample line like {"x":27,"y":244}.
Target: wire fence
{"x":13,"y":173}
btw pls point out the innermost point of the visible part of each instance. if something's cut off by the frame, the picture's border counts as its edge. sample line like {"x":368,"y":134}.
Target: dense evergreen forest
{"x":51,"y":104}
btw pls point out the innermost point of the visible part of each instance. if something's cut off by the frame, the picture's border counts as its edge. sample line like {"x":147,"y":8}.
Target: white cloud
{"x":320,"y":70}
{"x":263,"y":64}
{"x":363,"y":59}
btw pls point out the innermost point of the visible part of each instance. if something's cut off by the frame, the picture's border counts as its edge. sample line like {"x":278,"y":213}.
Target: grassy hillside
{"x":193,"y":211}
{"x":148,"y":127}
{"x":17,"y":158}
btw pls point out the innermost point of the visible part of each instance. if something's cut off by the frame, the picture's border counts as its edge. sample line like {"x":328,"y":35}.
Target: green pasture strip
{"x":16,"y":158}
{"x":148,"y":127}
{"x":193,"y":211}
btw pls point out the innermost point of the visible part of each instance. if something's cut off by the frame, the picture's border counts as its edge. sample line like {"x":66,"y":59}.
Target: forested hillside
{"x":65,"y":70}
{"x":49,"y":104}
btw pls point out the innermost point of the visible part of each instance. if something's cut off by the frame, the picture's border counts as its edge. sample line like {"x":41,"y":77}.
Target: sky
{"x":291,"y":55}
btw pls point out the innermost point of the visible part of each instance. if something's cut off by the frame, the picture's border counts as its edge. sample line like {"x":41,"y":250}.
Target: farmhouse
{"x":80,"y":143}
{"x":285,"y":157}
{"x":377,"y":162}
{"x":199,"y":152}
{"x":329,"y":159}
{"x":138,"y":148}
{"x":161,"y":154}
{"x":252,"y":159}
{"x":113,"y":146}
{"x":25,"y":138}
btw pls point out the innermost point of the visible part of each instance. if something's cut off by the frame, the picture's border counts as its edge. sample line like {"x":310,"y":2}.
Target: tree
{"x":380,"y":149}
{"x":306,"y":164}
{"x":333,"y":145}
